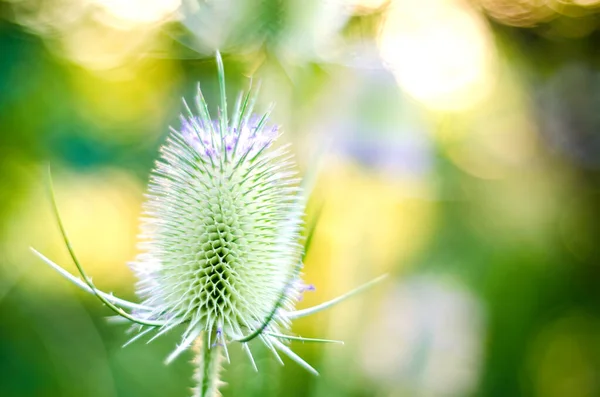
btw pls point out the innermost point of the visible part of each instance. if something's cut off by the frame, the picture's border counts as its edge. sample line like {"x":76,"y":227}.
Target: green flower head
{"x":221,"y":241}
{"x":222,"y":228}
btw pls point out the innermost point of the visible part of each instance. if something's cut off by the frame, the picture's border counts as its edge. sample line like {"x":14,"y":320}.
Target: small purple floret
{"x":246,"y":141}
{"x":302,"y":288}
{"x":218,"y":337}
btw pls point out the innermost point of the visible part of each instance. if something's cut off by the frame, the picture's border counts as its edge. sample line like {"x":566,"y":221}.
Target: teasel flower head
{"x":221,"y":241}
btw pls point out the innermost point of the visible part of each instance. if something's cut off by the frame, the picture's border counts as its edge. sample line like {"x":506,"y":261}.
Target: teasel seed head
{"x":222,"y":225}
{"x":221,"y":251}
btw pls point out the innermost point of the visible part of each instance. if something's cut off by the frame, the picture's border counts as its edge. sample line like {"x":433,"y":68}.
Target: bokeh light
{"x":123,"y":14}
{"x":366,"y":6}
{"x":101,"y":212}
{"x":493,"y":150}
{"x":522,"y":13}
{"x":98,"y":34}
{"x":440,"y":52}
{"x":437,"y":329}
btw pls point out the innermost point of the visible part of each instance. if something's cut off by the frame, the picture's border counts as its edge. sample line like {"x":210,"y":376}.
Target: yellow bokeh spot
{"x":100,"y":47}
{"x":369,"y":225}
{"x":522,"y":13}
{"x":440,"y":51}
{"x":129,"y":104}
{"x":497,"y":139}
{"x":360,"y":6}
{"x":137,"y":12}
{"x":587,"y":3}
{"x":97,"y":34}
{"x":100,"y":212}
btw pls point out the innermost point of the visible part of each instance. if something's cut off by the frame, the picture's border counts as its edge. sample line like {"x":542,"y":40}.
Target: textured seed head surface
{"x":221,"y":227}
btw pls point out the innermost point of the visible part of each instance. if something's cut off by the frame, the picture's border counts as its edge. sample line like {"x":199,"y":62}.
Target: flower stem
{"x":209,"y":364}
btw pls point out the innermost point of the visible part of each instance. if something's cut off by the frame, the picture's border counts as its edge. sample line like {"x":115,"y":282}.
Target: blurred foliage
{"x":463,"y":155}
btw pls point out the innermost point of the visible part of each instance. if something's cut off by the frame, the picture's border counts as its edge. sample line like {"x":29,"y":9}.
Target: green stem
{"x":209,"y":365}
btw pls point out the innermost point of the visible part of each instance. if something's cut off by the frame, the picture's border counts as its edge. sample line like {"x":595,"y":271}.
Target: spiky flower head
{"x":221,"y":253}
{"x":222,"y":226}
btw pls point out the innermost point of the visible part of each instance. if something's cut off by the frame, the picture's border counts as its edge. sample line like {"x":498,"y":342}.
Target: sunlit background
{"x":462,"y":156}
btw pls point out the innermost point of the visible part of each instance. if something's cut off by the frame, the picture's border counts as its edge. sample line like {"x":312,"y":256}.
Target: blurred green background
{"x":462,"y":156}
